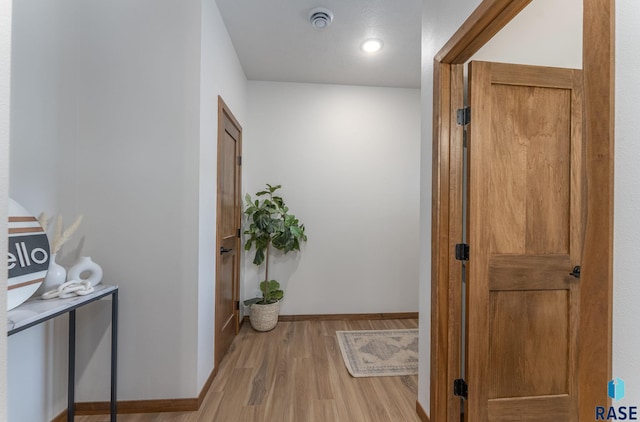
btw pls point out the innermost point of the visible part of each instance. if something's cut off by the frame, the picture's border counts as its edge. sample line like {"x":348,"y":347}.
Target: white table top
{"x":37,"y":310}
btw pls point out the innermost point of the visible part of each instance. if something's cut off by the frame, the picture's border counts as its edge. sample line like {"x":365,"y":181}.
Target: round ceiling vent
{"x":320,"y":18}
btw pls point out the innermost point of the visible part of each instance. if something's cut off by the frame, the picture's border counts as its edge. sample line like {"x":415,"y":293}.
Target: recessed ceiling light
{"x":371,"y":46}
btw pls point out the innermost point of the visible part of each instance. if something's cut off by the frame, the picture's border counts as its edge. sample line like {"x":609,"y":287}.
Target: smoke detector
{"x":320,"y":18}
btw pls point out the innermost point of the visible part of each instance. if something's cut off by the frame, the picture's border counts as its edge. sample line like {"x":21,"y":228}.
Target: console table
{"x":36,"y":311}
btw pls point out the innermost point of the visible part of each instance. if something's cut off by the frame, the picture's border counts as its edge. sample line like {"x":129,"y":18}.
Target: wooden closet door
{"x":526,"y":222}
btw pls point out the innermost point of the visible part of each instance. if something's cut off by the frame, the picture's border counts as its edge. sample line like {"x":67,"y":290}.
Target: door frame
{"x":596,"y":301}
{"x":224,"y":111}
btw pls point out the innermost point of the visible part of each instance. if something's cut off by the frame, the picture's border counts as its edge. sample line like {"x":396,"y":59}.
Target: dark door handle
{"x":224,"y":250}
{"x":576,"y":271}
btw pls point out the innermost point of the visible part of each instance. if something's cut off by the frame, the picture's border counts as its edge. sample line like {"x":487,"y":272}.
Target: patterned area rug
{"x":373,"y":353}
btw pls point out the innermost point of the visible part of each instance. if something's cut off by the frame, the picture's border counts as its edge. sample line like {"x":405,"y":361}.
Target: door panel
{"x":534,"y":337}
{"x":525,"y":236}
{"x":228,"y":224}
{"x":529,"y":162}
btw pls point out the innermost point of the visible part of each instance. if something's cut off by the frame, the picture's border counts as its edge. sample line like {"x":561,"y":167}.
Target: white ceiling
{"x":275,"y":41}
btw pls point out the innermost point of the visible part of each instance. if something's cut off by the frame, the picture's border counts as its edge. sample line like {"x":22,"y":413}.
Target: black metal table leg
{"x":71,"y":380}
{"x":114,"y":355}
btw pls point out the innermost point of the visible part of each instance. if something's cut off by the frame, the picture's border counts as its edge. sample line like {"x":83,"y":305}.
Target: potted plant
{"x":270,"y":225}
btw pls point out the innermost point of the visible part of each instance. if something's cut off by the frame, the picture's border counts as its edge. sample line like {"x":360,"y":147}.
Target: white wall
{"x":135,"y":178}
{"x":559,"y":44}
{"x":5,"y":63}
{"x":348,"y":160}
{"x":120,"y":100}
{"x":221,"y":74}
{"x":626,"y":342}
{"x":520,"y":41}
{"x":41,"y":121}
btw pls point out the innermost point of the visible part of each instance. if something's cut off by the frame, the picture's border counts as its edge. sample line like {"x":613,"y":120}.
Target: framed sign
{"x":28,"y":255}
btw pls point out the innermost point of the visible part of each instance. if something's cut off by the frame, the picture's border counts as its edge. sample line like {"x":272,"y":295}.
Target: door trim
{"x":224,"y":111}
{"x":597,"y":263}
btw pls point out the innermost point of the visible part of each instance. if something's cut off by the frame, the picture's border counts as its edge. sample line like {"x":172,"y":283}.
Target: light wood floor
{"x":295,"y":373}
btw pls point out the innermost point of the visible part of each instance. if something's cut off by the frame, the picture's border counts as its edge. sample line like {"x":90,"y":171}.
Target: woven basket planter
{"x":264,"y":317}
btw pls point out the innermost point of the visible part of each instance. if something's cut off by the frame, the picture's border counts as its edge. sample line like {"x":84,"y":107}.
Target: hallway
{"x":296,"y":373}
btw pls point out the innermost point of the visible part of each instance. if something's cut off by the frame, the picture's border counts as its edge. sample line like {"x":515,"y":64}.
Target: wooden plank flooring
{"x":295,"y":373}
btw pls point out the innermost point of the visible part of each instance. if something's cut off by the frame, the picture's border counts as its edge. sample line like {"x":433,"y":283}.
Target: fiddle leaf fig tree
{"x":270,"y":225}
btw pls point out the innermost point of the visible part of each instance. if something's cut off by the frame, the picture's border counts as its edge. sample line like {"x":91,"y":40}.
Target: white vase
{"x":56,"y":275}
{"x":85,"y":270}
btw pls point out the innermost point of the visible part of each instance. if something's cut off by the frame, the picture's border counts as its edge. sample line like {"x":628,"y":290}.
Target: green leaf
{"x":272,"y":284}
{"x":263,"y":221}
{"x":271,"y":291}
{"x":277,"y":295}
{"x":259,"y":258}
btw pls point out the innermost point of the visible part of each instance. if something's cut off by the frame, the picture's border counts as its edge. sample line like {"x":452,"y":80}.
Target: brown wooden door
{"x":228,"y":225}
{"x":525,"y":236}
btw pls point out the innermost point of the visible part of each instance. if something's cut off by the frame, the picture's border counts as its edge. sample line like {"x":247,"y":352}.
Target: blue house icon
{"x":616,"y":389}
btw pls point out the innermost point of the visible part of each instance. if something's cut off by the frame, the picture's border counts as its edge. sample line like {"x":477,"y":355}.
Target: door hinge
{"x":239,"y":160}
{"x":238,"y":233}
{"x":460,"y":388}
{"x":464,"y":116}
{"x":462,"y":252}
{"x":237,"y":305}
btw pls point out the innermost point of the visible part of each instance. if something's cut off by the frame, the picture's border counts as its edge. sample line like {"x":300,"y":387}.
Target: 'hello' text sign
{"x":28,"y":255}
